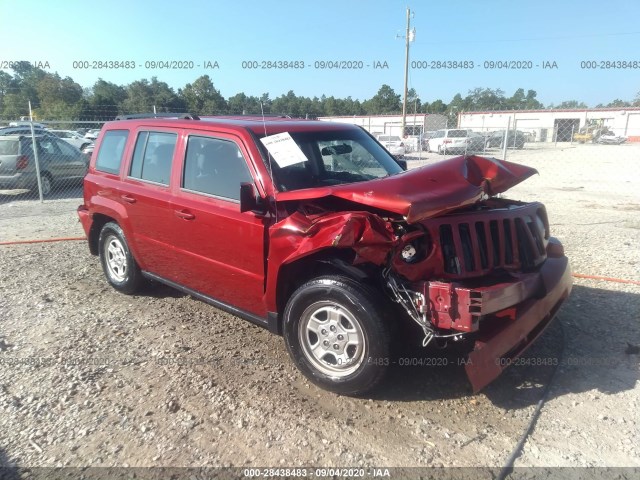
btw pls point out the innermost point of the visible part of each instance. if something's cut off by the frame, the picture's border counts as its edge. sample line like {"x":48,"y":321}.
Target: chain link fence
{"x":585,"y":158}
{"x":44,"y":163}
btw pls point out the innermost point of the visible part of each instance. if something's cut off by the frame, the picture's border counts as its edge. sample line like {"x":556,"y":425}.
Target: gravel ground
{"x":90,"y":377}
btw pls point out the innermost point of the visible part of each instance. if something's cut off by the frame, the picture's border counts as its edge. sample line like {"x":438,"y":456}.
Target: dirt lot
{"x":89,"y":377}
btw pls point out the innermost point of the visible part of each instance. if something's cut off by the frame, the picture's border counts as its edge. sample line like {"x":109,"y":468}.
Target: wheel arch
{"x":330,"y":261}
{"x":98,"y":221}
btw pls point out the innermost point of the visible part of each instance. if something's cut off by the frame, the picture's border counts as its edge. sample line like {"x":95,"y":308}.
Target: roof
{"x":257,"y":124}
{"x":384,"y":115}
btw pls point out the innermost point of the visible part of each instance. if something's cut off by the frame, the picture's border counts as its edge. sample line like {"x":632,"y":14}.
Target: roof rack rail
{"x":182,"y":116}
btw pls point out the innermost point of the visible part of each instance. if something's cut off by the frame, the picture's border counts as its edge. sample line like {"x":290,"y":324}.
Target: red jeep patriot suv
{"x":313,"y":230}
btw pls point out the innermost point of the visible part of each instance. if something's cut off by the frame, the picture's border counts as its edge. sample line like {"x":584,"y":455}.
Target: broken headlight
{"x":409,"y":253}
{"x":416,"y":247}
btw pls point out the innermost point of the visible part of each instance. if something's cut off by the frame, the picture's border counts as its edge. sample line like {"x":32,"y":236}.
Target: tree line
{"x":54,"y":97}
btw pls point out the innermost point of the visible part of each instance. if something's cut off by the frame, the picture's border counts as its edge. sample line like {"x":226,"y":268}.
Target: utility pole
{"x":409,"y":37}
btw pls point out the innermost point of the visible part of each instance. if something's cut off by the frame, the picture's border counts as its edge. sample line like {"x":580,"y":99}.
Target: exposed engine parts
{"x":417,"y":307}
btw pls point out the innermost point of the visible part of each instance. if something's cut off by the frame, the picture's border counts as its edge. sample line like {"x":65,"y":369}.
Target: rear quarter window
{"x":153,"y":156}
{"x":9,"y":147}
{"x":111,"y":151}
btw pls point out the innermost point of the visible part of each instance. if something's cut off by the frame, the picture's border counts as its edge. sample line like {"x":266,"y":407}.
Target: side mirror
{"x":249,"y":201}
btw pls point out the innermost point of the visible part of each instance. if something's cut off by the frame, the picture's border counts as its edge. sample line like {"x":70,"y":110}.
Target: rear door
{"x":221,"y":252}
{"x":50,"y":157}
{"x":72,"y":161}
{"x":146,"y":196}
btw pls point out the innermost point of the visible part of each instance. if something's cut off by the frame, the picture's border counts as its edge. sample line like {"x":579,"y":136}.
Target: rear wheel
{"x":335,"y":335}
{"x":46,"y":182}
{"x":119,"y":266}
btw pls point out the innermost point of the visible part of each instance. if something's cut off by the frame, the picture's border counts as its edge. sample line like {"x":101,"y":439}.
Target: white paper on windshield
{"x":284,"y":150}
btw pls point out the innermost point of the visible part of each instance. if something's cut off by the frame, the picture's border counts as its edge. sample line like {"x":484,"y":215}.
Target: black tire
{"x":352,"y":313}
{"x":119,"y":266}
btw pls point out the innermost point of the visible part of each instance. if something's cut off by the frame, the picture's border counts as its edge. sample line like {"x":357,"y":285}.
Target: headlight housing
{"x":542,"y":227}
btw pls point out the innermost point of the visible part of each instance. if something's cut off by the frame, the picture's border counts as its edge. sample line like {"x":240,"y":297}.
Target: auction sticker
{"x":283,"y":149}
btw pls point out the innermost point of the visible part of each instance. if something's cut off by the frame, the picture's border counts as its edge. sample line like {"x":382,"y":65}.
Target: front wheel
{"x":119,"y":266}
{"x":335,"y":335}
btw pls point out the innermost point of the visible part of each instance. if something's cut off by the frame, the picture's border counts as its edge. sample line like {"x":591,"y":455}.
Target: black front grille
{"x":477,"y":243}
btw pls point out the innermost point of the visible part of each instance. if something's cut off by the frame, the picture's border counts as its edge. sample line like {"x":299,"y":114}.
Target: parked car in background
{"x":455,"y":140}
{"x":475,"y":142}
{"x":22,"y":123}
{"x":26,"y":130}
{"x":73,"y":138}
{"x":609,"y":138}
{"x":394,"y":144}
{"x":424,"y":139}
{"x":515,"y":139}
{"x":58,"y":161}
{"x":92,"y":134}
{"x":88,"y":150}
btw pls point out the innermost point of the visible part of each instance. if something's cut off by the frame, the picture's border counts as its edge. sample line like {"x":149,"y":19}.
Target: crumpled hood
{"x":429,"y":191}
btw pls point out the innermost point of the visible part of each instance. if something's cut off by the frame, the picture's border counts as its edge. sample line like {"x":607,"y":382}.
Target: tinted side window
{"x":67,"y":150}
{"x":214,"y":166}
{"x":9,"y":146}
{"x":152,"y":156}
{"x":111,"y":150}
{"x":48,"y":146}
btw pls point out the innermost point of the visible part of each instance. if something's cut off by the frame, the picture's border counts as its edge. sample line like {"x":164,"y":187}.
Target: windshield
{"x":331,"y":158}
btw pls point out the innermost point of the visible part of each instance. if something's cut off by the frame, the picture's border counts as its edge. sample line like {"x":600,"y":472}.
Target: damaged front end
{"x":459,"y":261}
{"x":500,"y":282}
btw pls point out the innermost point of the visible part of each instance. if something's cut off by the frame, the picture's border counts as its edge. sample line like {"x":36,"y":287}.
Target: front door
{"x":220,"y":251}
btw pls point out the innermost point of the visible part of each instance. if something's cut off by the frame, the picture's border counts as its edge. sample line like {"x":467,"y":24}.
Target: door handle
{"x":185,"y":214}
{"x":128,"y":198}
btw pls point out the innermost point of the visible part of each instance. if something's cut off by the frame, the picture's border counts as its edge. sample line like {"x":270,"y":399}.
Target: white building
{"x":552,"y":125}
{"x":392,"y":124}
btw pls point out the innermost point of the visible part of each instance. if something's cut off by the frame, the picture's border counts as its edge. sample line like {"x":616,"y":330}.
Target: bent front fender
{"x":298,"y":236}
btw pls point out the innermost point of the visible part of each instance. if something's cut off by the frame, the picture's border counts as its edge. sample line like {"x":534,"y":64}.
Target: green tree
{"x":486,"y":99}
{"x":265,"y":103}
{"x":104,"y":101}
{"x":386,"y":101}
{"x":6,"y":86}
{"x":531,"y":102}
{"x":570,"y":104}
{"x":242,"y":104}
{"x":437,"y":106}
{"x":26,"y":78}
{"x":288,"y":104}
{"x":201,"y":97}
{"x":143,"y":95}
{"x":413,"y":101}
{"x":617,"y":103}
